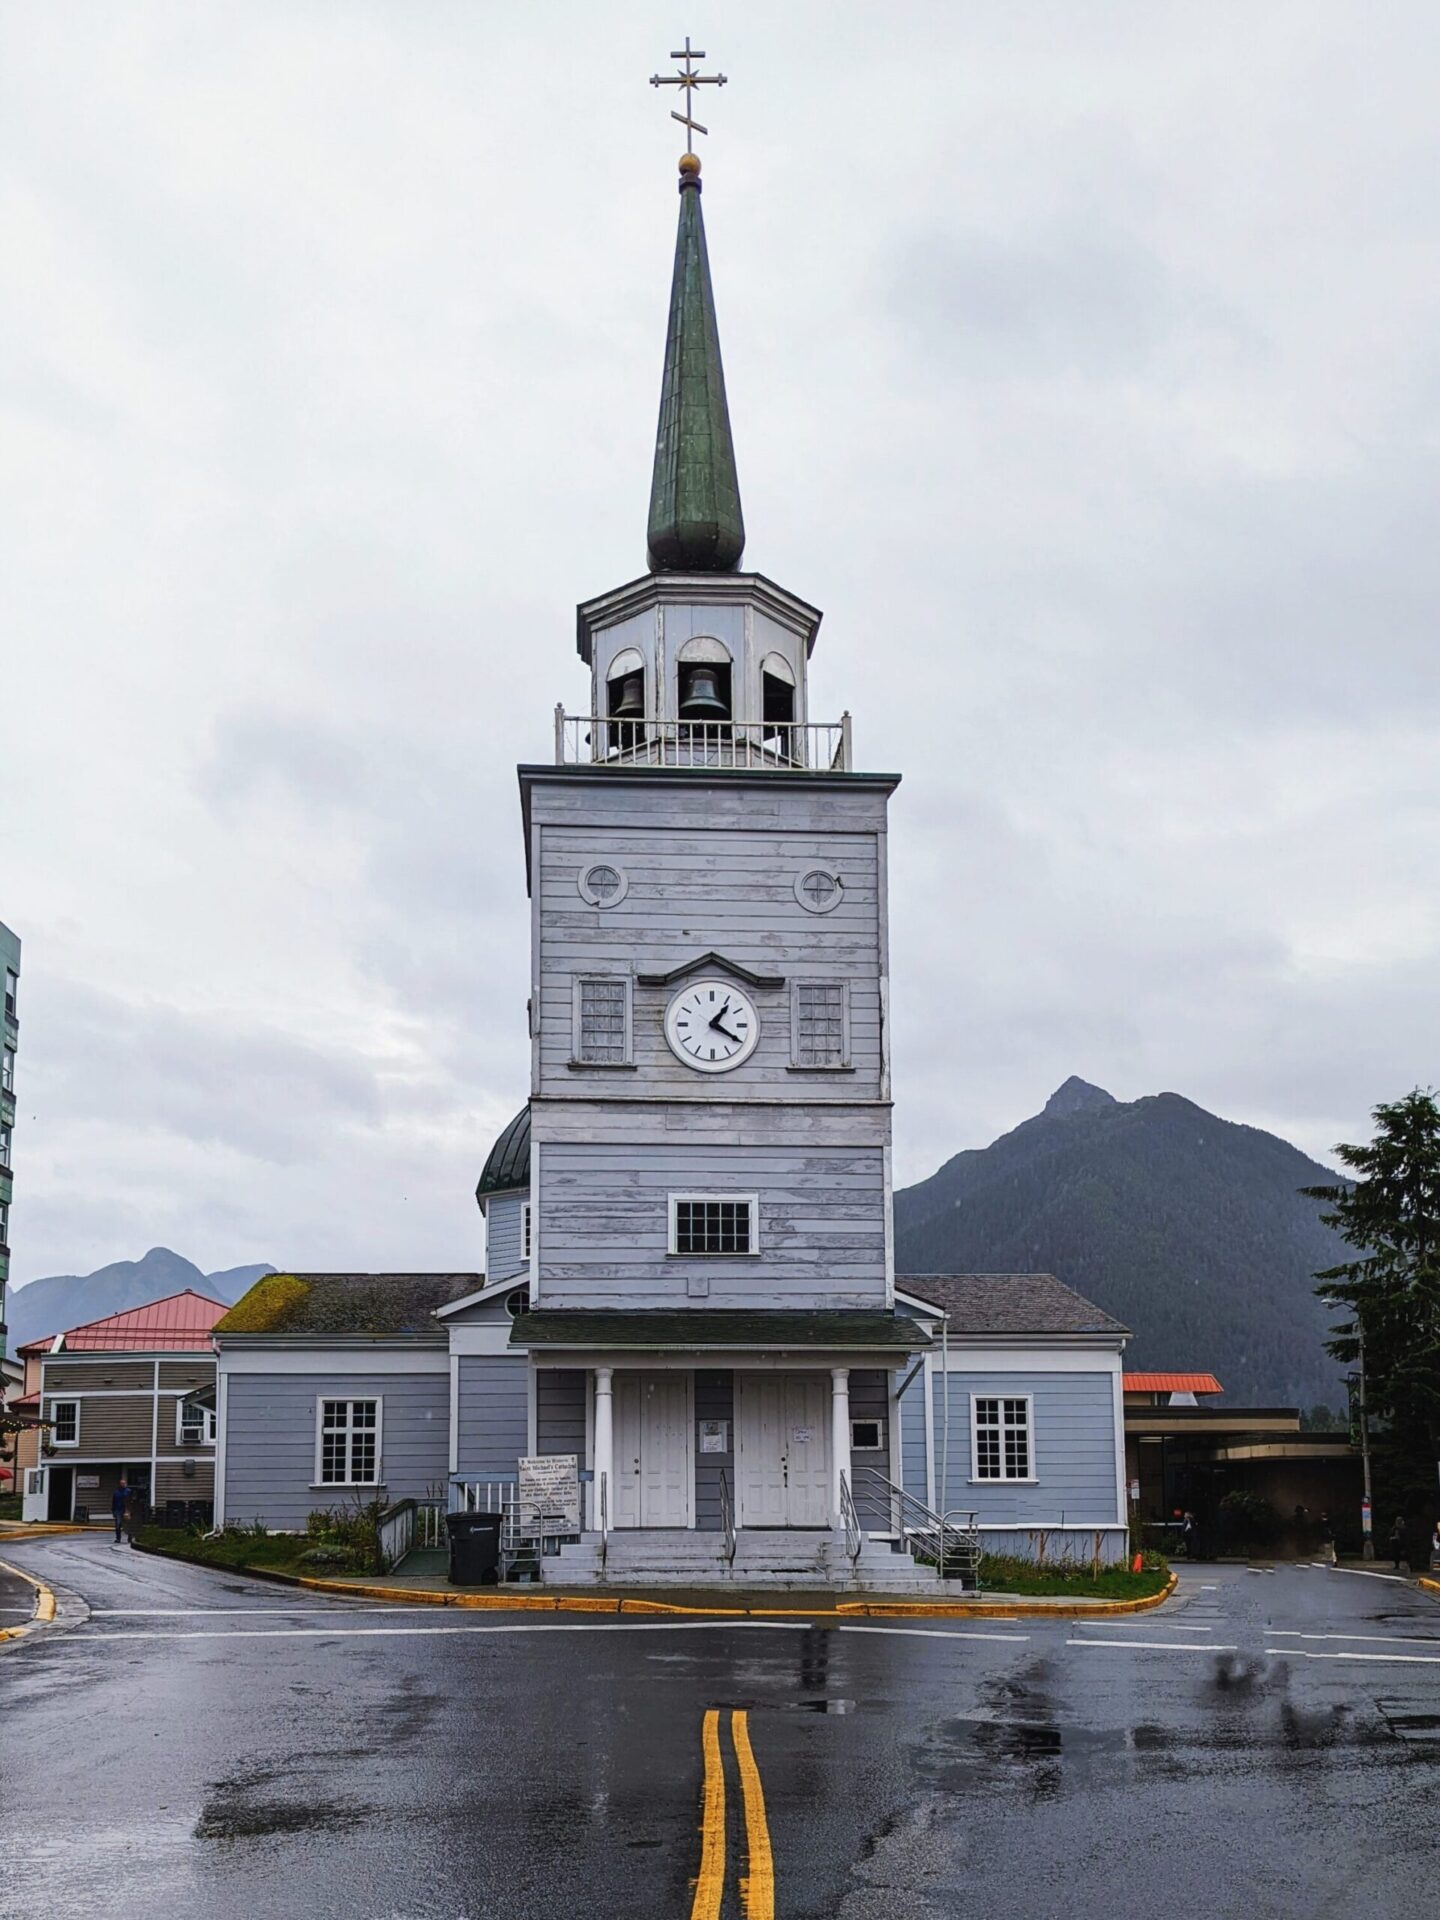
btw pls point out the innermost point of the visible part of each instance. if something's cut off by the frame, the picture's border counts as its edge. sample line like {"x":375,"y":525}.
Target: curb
{"x":1431,"y":1586}
{"x":40,"y":1529}
{"x":1019,"y":1609}
{"x":846,"y":1609}
{"x":44,"y":1614}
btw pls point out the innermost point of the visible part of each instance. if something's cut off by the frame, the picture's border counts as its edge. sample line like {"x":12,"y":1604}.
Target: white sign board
{"x":1135,"y":1491}
{"x":801,"y":1436}
{"x":714,"y":1436}
{"x":549,"y":1493}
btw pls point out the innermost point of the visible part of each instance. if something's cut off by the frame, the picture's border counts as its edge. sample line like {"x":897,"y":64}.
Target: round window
{"x":603,"y":885}
{"x":819,"y":889}
{"x":517,"y":1302}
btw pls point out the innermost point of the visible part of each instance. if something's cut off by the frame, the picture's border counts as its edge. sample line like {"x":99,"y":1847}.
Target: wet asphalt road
{"x":1267,"y":1745}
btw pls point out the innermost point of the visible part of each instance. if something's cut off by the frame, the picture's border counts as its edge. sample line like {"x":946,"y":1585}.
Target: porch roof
{"x":651,"y":1328}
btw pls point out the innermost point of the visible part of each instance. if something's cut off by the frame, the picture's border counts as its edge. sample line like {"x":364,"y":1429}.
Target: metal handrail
{"x":851,"y":1519}
{"x":951,"y":1540}
{"x":394,"y":1535}
{"x":777,"y":746}
{"x":603,"y":1507}
{"x":727,"y":1518}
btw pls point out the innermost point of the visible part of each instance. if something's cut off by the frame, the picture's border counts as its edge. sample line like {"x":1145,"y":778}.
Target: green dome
{"x":509,"y":1163}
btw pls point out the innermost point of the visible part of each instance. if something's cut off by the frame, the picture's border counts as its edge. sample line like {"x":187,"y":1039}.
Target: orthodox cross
{"x":687,"y":79}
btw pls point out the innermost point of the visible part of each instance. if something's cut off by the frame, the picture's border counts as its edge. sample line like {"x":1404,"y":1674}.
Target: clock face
{"x":712,"y":1025}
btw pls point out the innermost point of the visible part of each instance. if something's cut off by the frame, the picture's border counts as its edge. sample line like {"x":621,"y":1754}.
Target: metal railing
{"x":395,"y":1534}
{"x":777,"y":746}
{"x":727,"y":1519}
{"x":850,"y":1519}
{"x":949,"y":1541}
{"x":602,"y":1514}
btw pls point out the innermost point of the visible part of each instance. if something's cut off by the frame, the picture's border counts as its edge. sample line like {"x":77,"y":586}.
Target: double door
{"x":782,"y":1462}
{"x":653,"y":1466}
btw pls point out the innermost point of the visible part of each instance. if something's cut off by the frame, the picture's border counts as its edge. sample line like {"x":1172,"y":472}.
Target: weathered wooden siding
{"x":1073,"y":1441}
{"x":870,"y":1400}
{"x":492,"y":1413}
{"x":270,"y":1440}
{"x":730,"y":888}
{"x":915,"y":1476}
{"x":605,"y":1224}
{"x":560,"y":1394}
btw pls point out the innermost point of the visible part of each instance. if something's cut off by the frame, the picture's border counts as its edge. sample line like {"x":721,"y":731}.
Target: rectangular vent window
{"x":602,"y":1036}
{"x":713,"y":1226}
{"x":819,"y":1023}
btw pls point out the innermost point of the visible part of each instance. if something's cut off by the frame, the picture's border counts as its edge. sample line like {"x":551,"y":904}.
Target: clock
{"x":712,"y":1026}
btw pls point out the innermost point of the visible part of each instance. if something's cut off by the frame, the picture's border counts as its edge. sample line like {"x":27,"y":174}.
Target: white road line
{"x":1158,"y":1646}
{"x":1365,"y":1573}
{"x":124,"y":1635}
{"x":1392,"y":1659}
{"x":1209,"y":1586}
{"x":936,"y":1633}
{"x":1386,"y":1639}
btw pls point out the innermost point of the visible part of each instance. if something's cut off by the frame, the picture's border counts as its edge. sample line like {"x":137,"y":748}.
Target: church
{"x":689,"y":1276}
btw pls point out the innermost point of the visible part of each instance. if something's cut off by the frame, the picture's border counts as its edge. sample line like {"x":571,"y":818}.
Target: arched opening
{"x":777,"y":705}
{"x":625,"y":701}
{"x":704,"y":695}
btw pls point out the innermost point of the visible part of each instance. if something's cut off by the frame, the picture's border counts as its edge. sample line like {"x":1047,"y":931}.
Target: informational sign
{"x":801,"y":1436}
{"x":1366,"y":1524}
{"x":549,"y":1493}
{"x":714,"y":1436}
{"x":1134,"y":1492}
{"x":87,"y":1480}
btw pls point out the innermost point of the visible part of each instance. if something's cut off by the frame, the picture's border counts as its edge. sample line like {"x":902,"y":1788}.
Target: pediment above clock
{"x":711,"y":963}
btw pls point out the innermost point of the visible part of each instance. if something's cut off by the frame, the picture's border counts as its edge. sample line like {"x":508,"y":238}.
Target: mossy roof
{"x":347,"y":1304}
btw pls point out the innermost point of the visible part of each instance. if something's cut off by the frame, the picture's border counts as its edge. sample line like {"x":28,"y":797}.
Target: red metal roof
{"x":179,"y":1323}
{"x":1171,"y":1383}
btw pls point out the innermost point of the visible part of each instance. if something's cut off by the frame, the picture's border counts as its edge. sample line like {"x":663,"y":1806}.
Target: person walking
{"x":1327,"y":1541}
{"x":1396,"y":1542}
{"x":119,"y":1500}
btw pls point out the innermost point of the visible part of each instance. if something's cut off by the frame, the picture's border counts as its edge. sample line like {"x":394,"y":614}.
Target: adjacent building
{"x":9,"y":1042}
{"x":115,"y":1399}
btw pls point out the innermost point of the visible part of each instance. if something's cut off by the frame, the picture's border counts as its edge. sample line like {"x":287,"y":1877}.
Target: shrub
{"x":327,"y":1556}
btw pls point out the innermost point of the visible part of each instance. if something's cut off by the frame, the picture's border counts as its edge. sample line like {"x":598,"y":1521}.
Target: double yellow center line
{"x":757,"y":1886}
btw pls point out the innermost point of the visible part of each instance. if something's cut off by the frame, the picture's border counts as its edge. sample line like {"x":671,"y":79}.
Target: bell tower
{"x":711,"y":1242}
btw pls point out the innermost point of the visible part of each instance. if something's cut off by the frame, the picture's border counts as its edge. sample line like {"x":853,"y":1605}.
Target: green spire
{"x":695,"y":520}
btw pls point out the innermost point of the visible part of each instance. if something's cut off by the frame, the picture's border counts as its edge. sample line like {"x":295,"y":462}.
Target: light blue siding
{"x":503,"y":1255}
{"x":914,"y":1475}
{"x":270,"y":1441}
{"x":1073,"y":1442}
{"x":493,"y":1414}
{"x":560,"y":1411}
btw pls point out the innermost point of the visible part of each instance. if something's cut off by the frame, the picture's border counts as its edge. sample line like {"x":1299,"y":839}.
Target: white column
{"x":604,"y":1442}
{"x":839,"y":1436}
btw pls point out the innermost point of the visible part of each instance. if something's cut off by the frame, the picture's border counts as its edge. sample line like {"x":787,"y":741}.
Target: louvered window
{"x":821,"y":1023}
{"x":602,"y":1020}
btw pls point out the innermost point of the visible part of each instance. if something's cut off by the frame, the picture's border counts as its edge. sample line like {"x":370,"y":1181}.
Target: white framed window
{"x":194,"y":1426}
{"x":65,"y":1419}
{"x":347,"y":1442}
{"x":525,"y":1217}
{"x":819,"y":1023}
{"x":1001,"y":1442}
{"x":7,"y":1069}
{"x":867,"y":1436}
{"x":708,"y":1225}
{"x":602,"y":1020}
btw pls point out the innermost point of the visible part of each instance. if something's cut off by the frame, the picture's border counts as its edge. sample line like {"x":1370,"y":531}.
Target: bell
{"x":631,"y":702}
{"x":700,"y":697}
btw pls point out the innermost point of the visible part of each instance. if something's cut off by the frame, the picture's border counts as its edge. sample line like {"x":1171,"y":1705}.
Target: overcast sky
{"x":1083,"y":364}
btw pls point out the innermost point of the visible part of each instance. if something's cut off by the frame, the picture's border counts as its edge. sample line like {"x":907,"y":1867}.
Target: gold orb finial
{"x":690,"y":163}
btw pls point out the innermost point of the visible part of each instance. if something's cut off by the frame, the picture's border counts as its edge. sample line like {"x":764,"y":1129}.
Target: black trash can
{"x":474,"y":1549}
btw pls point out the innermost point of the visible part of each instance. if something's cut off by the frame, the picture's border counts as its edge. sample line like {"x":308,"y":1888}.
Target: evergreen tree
{"x":1391,"y":1291}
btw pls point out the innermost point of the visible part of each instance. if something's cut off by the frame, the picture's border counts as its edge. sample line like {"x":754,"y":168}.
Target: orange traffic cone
{"x":1135,"y":1564}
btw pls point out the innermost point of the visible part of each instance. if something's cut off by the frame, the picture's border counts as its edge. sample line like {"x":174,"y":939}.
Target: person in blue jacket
{"x":119,"y":1500}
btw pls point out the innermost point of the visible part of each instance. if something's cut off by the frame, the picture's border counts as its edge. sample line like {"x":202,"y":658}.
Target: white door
{"x":783,"y":1460}
{"x":653,"y":1469}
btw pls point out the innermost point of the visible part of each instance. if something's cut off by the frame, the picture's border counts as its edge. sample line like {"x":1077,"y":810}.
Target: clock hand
{"x":721,"y":1015}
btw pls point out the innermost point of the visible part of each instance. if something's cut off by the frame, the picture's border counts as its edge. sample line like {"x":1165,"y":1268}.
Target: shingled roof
{"x":1008,"y":1303}
{"x":379,"y":1305}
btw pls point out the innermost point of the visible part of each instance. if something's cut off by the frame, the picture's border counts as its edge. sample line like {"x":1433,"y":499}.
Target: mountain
{"x":1187,"y":1227}
{"x":69,"y":1299}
